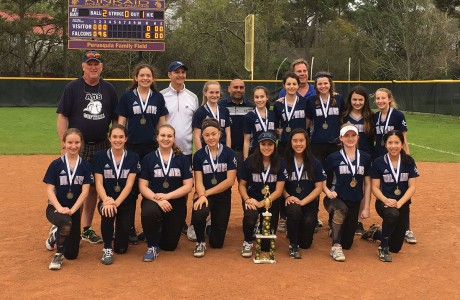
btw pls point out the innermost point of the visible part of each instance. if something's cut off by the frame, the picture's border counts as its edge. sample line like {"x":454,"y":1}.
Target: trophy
{"x":267,"y":234}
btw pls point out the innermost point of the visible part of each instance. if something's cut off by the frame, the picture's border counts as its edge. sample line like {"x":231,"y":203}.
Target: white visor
{"x":347,"y":128}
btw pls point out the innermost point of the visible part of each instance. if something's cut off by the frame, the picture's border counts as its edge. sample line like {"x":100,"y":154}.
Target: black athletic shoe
{"x":373,"y":234}
{"x":133,"y":239}
{"x":359,"y":229}
{"x":184,"y":230}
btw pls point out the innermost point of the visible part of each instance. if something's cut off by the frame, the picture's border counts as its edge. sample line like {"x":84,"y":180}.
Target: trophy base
{"x":261,"y":236}
{"x":264,"y":261}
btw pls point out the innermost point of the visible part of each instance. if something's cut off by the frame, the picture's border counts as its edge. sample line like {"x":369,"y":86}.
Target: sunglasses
{"x":93,"y":55}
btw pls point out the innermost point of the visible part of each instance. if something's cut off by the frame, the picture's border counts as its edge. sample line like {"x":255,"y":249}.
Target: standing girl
{"x":390,"y":118}
{"x":165,"y":181}
{"x":261,"y":170}
{"x":141,"y":110}
{"x":115,"y":171}
{"x":351,"y":186}
{"x":290,"y":112}
{"x":67,"y":185}
{"x":303,"y":186}
{"x":358,"y":112}
{"x":393,"y":184}
{"x":210,"y":109}
{"x":324,"y":114}
{"x":214,"y":169}
{"x":260,"y":120}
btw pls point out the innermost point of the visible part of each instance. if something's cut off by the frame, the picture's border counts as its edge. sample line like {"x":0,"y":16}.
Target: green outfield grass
{"x":33,"y":131}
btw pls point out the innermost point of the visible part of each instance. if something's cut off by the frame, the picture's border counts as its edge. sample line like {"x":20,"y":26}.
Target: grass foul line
{"x":437,"y":150}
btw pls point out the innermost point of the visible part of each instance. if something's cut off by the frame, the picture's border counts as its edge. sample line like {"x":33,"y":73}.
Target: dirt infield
{"x":428,"y":270}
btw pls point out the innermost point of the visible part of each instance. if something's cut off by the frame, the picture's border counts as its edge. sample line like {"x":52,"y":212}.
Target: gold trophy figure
{"x":267,"y":233}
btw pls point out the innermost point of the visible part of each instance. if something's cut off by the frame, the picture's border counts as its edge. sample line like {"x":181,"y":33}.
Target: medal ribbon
{"x":325,"y":110}
{"x":213,"y":165}
{"x":215,"y":116}
{"x":353,"y":169}
{"x":386,"y":122}
{"x":70,"y":174}
{"x":163,"y":167}
{"x":117,"y":168}
{"x":264,"y":124}
{"x":286,"y":111}
{"x":144,"y":103}
{"x":298,"y":170}
{"x":265,"y":175}
{"x":398,"y":168}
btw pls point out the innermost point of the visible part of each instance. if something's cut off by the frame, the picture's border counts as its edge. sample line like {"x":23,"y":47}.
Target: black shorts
{"x":89,"y":149}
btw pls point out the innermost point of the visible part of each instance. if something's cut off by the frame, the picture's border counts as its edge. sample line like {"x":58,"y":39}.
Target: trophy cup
{"x":267,"y":234}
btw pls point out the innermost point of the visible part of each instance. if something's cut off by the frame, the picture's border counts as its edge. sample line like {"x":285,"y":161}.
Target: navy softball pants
{"x":68,"y":232}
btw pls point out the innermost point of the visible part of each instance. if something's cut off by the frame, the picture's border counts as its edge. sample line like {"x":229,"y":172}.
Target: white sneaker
{"x":56,"y":262}
{"x":51,"y":240}
{"x":191,"y":235}
{"x":200,"y":248}
{"x":282,"y":225}
{"x":337,"y":253}
{"x":246,"y":251}
{"x":410,"y":237}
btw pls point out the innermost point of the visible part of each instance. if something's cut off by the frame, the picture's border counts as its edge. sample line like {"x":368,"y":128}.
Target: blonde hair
{"x":206,"y":87}
{"x":392,"y":99}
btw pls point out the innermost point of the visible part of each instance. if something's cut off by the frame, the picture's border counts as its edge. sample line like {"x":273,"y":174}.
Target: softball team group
{"x":298,"y":150}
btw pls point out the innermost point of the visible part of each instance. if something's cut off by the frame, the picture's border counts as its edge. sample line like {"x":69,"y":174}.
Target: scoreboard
{"x":130,"y":25}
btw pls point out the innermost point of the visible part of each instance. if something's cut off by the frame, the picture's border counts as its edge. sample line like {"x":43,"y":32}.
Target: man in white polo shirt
{"x":181,"y":104}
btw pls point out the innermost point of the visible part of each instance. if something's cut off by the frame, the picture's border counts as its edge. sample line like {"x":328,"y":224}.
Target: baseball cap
{"x":92,"y":55}
{"x":347,"y":128}
{"x":176,"y":65}
{"x":267,"y":136}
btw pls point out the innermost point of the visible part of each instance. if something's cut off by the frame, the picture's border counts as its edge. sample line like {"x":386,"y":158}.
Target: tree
{"x":408,"y":38}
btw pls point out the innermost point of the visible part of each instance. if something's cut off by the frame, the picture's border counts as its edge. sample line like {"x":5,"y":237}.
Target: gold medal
{"x":397,"y":191}
{"x":288,"y":129}
{"x":69,"y":195}
{"x":166,"y":184}
{"x":214,"y":181}
{"x":263,"y":191}
{"x":382,"y":142}
{"x":117,"y":188}
{"x":143,"y":121}
{"x":298,"y":189}
{"x":325,"y":126}
{"x":353,"y":183}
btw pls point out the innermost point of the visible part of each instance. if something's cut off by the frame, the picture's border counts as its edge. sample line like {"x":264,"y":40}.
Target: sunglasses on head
{"x":93,"y":55}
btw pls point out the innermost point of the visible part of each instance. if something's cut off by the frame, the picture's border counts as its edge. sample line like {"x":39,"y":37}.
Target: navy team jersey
{"x":254,"y":181}
{"x":237,"y":112}
{"x":365,"y":142}
{"x":253,"y":127}
{"x":203,"y":113}
{"x":226,"y":161}
{"x":306,"y":184}
{"x":57,"y":176}
{"x":381,"y":170}
{"x":91,"y":109}
{"x":319,"y":135}
{"x":179,"y":170}
{"x":297,"y":120}
{"x":103,"y":165}
{"x":343,"y":176}
{"x":397,"y":122}
{"x":130,"y":108}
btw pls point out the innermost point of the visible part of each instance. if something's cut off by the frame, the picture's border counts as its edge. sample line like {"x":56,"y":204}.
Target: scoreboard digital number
{"x":133,"y":25}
